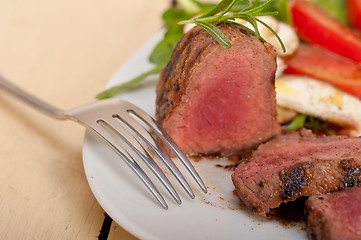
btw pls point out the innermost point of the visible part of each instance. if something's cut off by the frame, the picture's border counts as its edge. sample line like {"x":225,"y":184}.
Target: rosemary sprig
{"x":222,"y":12}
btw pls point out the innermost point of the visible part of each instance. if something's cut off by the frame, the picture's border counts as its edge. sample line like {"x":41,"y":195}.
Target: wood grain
{"x":64,"y":52}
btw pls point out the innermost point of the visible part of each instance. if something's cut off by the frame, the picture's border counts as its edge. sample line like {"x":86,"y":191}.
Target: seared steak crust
{"x":334,"y":216}
{"x":297,"y":164}
{"x":175,"y":76}
{"x":213,"y":100}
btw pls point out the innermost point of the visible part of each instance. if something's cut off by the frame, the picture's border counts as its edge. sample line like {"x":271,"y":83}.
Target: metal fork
{"x":124,"y":119}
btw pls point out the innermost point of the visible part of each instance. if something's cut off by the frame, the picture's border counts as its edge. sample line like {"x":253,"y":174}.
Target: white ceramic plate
{"x":215,"y":215}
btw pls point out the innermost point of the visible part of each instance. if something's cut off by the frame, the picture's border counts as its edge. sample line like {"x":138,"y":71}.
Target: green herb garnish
{"x":316,"y":125}
{"x":116,"y":89}
{"x":297,"y":123}
{"x":225,"y":11}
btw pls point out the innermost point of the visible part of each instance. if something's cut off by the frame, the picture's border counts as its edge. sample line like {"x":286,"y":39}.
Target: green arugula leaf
{"x":315,"y":124}
{"x":116,"y":89}
{"x":174,"y":15}
{"x":298,"y":122}
{"x":163,"y":50}
{"x":203,"y":6}
{"x":281,"y":6}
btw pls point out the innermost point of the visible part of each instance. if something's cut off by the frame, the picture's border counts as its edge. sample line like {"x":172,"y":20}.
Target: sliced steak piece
{"x":213,"y":100}
{"x":335,"y":216}
{"x":294,"y":165}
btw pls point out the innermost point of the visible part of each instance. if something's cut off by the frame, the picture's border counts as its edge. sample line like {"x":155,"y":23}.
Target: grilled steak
{"x":335,"y":216}
{"x":297,"y":164}
{"x":213,"y":100}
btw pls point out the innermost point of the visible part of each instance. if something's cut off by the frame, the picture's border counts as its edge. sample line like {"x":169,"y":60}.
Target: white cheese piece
{"x":321,"y":100}
{"x":289,"y":38}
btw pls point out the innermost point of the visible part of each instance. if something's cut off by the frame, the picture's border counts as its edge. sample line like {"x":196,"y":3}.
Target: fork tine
{"x":146,"y":136}
{"x":171,"y":144}
{"x":131,"y":142}
{"x":112,"y":142}
{"x":87,"y":115}
{"x":158,"y":130}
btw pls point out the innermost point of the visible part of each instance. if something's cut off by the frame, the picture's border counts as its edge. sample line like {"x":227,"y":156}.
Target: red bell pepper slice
{"x":319,"y":28}
{"x":354,"y":13}
{"x":321,"y":64}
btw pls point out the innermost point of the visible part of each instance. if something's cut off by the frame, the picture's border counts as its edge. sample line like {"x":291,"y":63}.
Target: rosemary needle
{"x":222,"y":12}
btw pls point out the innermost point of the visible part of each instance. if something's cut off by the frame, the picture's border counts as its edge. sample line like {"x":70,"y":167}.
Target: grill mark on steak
{"x":198,"y":54}
{"x":167,"y":71}
{"x":186,"y":53}
{"x":171,"y":79}
{"x":295,"y":165}
{"x":352,"y":173}
{"x":293,"y":180}
{"x":188,"y":63}
{"x":176,"y":86}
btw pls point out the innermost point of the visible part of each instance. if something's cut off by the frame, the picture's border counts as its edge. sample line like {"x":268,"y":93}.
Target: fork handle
{"x":31,"y":100}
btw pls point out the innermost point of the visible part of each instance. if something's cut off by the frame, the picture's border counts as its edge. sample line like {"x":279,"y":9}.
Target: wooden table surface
{"x":64,"y":52}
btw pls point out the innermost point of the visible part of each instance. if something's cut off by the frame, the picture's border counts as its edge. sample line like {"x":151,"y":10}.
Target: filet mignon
{"x":213,"y":100}
{"x":297,"y":164}
{"x":334,"y":216}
